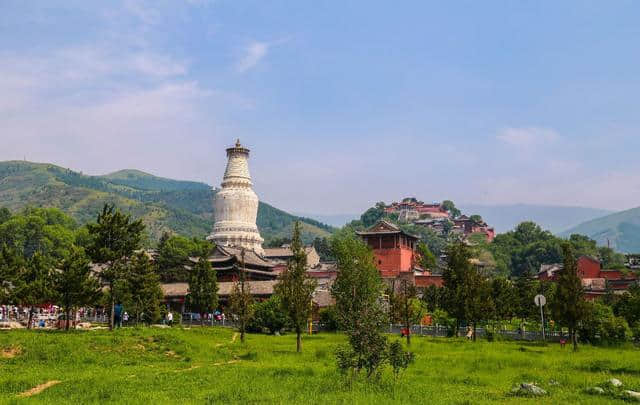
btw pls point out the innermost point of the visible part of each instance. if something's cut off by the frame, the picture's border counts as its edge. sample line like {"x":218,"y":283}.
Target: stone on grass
{"x":595,"y":391}
{"x":527,"y":390}
{"x":614,"y":382}
{"x":632,"y":395}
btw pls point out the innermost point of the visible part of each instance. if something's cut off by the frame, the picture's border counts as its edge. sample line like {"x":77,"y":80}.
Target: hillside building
{"x":595,"y":280}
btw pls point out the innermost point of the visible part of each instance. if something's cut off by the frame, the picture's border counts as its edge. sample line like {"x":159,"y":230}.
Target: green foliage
{"x":268,"y":316}
{"x":569,"y":307}
{"x":371,"y":216}
{"x":5,"y":214}
{"x":628,"y":305}
{"x":398,"y":358}
{"x":357,"y":291}
{"x":295,"y":288}
{"x":601,"y":326}
{"x":113,"y":238}
{"x":74,"y":284}
{"x":329,"y":318}
{"x":11,"y":265}
{"x":47,"y":231}
{"x":203,"y":286}
{"x":145,"y":293}
{"x":450,"y":207}
{"x":427,"y":259}
{"x":505,"y":299}
{"x":405,"y":305}
{"x":433,"y":297}
{"x":467,"y":292}
{"x":241,"y":301}
{"x":173,"y":254}
{"x":34,"y":283}
{"x":323,"y":247}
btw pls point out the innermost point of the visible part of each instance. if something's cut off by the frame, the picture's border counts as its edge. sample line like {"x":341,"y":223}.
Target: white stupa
{"x":236,"y":205}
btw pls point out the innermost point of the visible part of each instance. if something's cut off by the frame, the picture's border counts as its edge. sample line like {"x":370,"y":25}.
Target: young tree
{"x":34,"y":284}
{"x":455,"y":282}
{"x":505,"y":299}
{"x":203,"y":287}
{"x":295,"y":288}
{"x":145,"y":293}
{"x":569,"y":306}
{"x":358,"y":291}
{"x":478,"y":303}
{"x":241,"y":300}
{"x":406,"y":306}
{"x":432,"y":297}
{"x":74,"y":284}
{"x":114,"y":238}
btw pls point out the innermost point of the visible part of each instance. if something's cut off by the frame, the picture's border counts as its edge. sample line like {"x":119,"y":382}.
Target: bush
{"x":329,"y":318}
{"x":268,"y":317}
{"x":602,"y":327}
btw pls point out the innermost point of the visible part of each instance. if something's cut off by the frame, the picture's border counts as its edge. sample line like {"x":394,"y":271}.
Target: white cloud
{"x":252,"y":55}
{"x":528,"y":137}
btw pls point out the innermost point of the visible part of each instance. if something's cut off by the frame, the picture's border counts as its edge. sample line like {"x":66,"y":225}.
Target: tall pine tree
{"x":295,"y":288}
{"x":75,"y":286}
{"x":569,"y":306}
{"x":203,"y":287}
{"x":145,"y":293}
{"x":114,"y":238}
{"x":34,"y":284}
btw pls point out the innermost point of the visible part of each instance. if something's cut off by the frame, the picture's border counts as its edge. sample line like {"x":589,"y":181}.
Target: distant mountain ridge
{"x":550,"y":217}
{"x":620,"y":230}
{"x":184,"y":207}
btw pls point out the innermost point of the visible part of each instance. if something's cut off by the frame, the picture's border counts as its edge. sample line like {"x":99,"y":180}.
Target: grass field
{"x":150,"y":365}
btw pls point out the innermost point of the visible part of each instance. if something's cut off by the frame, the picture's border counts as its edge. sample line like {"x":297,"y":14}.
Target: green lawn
{"x":204,"y":366}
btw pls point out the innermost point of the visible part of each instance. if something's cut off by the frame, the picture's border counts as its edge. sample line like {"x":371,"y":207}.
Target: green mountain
{"x":184,"y":207}
{"x":621,"y":230}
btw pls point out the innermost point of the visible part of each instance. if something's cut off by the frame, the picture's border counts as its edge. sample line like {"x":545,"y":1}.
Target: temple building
{"x":394,"y":249}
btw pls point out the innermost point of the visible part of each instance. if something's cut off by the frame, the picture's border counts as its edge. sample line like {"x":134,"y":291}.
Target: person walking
{"x":170,"y":318}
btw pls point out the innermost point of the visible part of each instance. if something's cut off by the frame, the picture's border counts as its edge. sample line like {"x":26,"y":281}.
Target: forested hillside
{"x":620,"y":230}
{"x":183,"y":207}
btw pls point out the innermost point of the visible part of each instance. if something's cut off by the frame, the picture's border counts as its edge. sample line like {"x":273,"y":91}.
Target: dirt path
{"x":10,"y":352}
{"x":39,"y":388}
{"x":228,"y":362}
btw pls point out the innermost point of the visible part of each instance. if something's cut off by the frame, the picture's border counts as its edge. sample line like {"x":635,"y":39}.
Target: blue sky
{"x":342,"y":103}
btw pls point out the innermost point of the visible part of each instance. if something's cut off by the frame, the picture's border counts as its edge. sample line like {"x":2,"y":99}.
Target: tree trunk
{"x":30,"y":318}
{"x":68,"y":316}
{"x":474,"y":332}
{"x":574,"y":339}
{"x":298,"y":341}
{"x":242,"y":332}
{"x":112,"y":316}
{"x":408,"y":328}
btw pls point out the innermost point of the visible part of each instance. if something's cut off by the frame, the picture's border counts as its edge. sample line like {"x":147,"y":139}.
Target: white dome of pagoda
{"x":236,"y":205}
